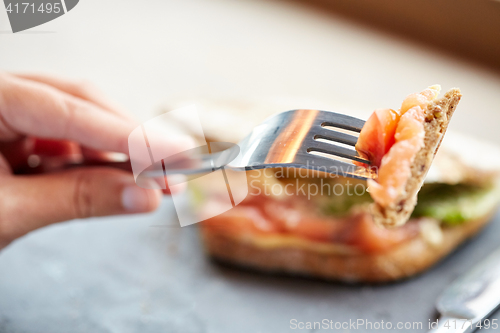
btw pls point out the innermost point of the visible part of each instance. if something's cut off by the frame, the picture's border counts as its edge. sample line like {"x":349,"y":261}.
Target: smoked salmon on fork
{"x":401,"y":145}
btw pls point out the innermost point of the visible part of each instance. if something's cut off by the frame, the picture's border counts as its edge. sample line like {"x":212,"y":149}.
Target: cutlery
{"x":471,"y":298}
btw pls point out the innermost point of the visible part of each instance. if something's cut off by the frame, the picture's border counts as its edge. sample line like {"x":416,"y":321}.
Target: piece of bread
{"x":401,"y":262}
{"x":437,"y":118}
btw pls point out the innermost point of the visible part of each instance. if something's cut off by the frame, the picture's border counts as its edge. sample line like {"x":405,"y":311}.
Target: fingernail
{"x":139,"y":200}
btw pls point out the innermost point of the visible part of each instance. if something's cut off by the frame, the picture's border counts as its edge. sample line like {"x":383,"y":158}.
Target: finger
{"x":31,"y":202}
{"x":80,"y":89}
{"x":31,"y":108}
{"x":28,"y":107}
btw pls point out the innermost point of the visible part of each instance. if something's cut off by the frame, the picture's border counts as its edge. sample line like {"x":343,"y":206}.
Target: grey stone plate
{"x":145,"y":274}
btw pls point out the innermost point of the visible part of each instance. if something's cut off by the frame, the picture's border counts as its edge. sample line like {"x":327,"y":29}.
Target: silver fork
{"x":311,"y":139}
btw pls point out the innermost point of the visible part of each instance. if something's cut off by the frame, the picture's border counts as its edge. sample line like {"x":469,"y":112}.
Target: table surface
{"x":146,"y":274}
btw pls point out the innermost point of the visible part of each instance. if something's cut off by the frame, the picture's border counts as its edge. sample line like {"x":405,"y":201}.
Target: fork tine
{"x":332,"y":149}
{"x":328,"y":134}
{"x":342,"y":121}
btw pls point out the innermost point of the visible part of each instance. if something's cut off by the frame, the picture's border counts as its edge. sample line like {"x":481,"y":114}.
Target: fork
{"x":305,"y":138}
{"x":311,"y":139}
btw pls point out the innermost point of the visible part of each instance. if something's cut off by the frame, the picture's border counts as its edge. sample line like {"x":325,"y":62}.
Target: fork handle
{"x":27,"y":170}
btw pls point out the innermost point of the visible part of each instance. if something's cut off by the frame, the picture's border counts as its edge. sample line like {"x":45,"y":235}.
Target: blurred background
{"x":355,"y":54}
{"x":144,"y":274}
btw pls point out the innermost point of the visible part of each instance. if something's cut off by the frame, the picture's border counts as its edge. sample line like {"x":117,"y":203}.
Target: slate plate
{"x":145,"y":274}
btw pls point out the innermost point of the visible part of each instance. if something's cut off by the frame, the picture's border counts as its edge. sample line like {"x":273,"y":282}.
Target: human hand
{"x":80,"y":123}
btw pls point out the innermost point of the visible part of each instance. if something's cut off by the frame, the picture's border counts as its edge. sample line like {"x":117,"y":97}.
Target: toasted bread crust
{"x":401,"y":262}
{"x":437,"y":118}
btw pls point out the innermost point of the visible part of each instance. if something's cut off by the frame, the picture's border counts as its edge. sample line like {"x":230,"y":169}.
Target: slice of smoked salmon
{"x":358,"y":230}
{"x":420,"y":99}
{"x":395,"y":169}
{"x":365,"y":235}
{"x":377,"y":136}
{"x":406,"y":132}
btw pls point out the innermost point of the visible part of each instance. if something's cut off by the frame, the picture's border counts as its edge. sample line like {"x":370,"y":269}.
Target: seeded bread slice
{"x":403,"y":261}
{"x":437,"y":118}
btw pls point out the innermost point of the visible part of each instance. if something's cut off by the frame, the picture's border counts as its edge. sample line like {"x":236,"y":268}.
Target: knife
{"x":471,"y":298}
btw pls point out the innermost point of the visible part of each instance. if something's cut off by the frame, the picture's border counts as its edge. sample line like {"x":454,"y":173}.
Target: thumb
{"x":31,"y":202}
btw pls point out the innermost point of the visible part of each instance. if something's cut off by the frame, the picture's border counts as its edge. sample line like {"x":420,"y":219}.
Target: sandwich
{"x":317,"y":225}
